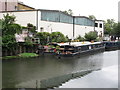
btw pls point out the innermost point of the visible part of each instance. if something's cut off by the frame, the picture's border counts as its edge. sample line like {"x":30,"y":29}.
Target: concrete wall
{"x":64,"y":28}
{"x":9,"y":6}
{"x":23,"y":18}
{"x":81,"y":30}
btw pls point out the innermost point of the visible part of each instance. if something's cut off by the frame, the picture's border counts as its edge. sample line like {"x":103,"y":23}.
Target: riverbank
{"x":22,"y":55}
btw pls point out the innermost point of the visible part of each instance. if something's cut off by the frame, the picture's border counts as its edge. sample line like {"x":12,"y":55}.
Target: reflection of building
{"x":55,"y":20}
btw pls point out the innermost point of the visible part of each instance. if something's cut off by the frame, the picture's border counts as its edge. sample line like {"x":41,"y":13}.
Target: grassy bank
{"x":22,"y":55}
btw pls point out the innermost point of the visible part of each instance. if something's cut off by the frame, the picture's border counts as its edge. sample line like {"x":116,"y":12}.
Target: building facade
{"x":8,"y":5}
{"x":13,"y":5}
{"x":55,"y":21}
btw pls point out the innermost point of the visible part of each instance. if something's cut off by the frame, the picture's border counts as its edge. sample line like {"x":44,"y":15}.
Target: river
{"x":23,"y":73}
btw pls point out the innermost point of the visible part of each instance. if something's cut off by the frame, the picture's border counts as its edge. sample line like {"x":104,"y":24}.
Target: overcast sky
{"x":102,"y":9}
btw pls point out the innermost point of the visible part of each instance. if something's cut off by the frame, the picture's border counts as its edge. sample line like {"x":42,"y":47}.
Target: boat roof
{"x":78,"y":43}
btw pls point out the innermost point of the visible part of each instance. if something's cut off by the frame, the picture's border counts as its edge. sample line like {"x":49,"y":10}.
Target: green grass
{"x":28,"y":55}
{"x":22,"y":55}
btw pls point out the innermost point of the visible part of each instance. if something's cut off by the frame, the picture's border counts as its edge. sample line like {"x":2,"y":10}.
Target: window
{"x":96,"y":24}
{"x":100,"y":25}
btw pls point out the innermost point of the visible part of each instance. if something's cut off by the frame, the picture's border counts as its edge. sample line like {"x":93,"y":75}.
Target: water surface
{"x":18,"y":72}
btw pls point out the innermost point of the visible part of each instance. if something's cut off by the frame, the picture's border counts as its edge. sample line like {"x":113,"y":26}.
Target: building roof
{"x":25,"y":5}
{"x":83,"y":17}
{"x":55,"y":11}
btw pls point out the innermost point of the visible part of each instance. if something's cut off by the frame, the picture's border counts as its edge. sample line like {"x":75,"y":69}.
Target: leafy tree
{"x":91,"y":36}
{"x":43,"y":36}
{"x":31,"y":28}
{"x":80,"y":38}
{"x":8,"y":41}
{"x":70,"y":12}
{"x":58,"y":37}
{"x":117,"y":30}
{"x":9,"y":27}
{"x":92,"y":17}
{"x":109,"y":26}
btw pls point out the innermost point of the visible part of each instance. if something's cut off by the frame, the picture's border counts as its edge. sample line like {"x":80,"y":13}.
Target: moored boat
{"x":79,"y":48}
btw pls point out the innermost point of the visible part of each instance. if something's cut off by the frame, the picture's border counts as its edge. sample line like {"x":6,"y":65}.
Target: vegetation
{"x":109,"y":26}
{"x":116,"y":29}
{"x":31,"y":28}
{"x":9,"y":28}
{"x":22,"y":55}
{"x":91,"y":36}
{"x":58,"y":37}
{"x":92,"y":17}
{"x":79,"y":38}
{"x":46,"y":37}
{"x":70,"y":12}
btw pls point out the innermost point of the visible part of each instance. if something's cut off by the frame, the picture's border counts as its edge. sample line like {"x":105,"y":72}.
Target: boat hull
{"x":86,"y":52}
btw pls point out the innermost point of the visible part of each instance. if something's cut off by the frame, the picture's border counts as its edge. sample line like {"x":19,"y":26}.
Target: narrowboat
{"x":112,"y":45}
{"x":79,"y":48}
{"x":48,"y":50}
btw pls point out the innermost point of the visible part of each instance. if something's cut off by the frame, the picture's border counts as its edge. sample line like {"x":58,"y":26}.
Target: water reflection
{"x":18,"y":72}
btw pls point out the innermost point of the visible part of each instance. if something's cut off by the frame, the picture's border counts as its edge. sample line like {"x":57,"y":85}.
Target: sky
{"x":101,"y":9}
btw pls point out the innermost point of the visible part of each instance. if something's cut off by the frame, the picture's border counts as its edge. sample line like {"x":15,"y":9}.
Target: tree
{"x":109,"y":26}
{"x":80,"y":38}
{"x":9,"y":27}
{"x":92,"y":17}
{"x":117,"y":30}
{"x":91,"y":36}
{"x":43,"y":36}
{"x":58,"y":37}
{"x":70,"y":12}
{"x":31,"y":28}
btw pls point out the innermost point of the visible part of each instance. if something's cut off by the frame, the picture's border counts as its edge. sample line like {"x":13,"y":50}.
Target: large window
{"x":56,"y":17}
{"x":84,"y":21}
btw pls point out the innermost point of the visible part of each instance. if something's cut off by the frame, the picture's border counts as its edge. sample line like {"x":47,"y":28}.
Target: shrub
{"x":91,"y":36}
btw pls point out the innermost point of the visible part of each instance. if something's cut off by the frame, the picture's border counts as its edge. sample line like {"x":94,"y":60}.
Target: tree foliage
{"x":91,"y":36}
{"x":58,"y":37}
{"x":9,"y":27}
{"x":46,"y":37}
{"x":92,"y":17}
{"x":80,"y":38}
{"x":117,"y":30}
{"x":31,"y":28}
{"x":43,"y":36}
{"x":70,"y":12}
{"x":109,"y":26}
{"x":8,"y":41}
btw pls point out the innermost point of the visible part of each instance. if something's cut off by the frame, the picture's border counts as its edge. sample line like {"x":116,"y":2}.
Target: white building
{"x":54,"y":20}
